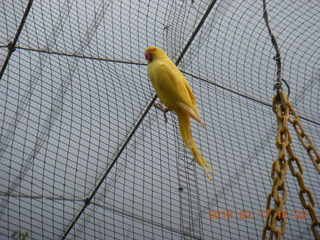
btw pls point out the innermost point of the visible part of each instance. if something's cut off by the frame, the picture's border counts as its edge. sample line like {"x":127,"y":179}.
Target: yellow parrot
{"x":174,"y":91}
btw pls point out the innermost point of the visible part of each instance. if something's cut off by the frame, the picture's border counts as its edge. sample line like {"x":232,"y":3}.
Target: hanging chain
{"x":304,"y":138}
{"x":314,"y":156}
{"x":282,"y":108}
{"x":278,"y":174}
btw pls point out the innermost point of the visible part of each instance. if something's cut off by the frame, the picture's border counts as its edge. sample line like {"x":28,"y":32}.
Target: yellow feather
{"x":174,"y":91}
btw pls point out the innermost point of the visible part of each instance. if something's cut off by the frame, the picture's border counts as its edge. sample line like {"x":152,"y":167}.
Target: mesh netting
{"x":85,"y":155}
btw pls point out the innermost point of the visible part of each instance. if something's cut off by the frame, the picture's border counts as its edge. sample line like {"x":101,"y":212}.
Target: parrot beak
{"x":148,"y":56}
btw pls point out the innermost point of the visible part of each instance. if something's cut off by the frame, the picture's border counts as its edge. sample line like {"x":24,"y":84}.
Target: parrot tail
{"x":185,"y":131}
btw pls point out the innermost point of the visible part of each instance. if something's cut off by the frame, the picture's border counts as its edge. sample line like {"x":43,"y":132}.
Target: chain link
{"x":309,"y":146}
{"x":304,"y":138}
{"x":278,"y":173}
{"x":282,"y":107}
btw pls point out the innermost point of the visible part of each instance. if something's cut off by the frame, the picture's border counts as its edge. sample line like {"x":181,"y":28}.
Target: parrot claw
{"x":164,"y":110}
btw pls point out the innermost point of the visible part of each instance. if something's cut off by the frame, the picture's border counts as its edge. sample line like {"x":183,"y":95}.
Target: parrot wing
{"x":172,"y":88}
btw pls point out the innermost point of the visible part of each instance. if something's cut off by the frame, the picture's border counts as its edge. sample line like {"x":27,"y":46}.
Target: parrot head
{"x":152,"y":53}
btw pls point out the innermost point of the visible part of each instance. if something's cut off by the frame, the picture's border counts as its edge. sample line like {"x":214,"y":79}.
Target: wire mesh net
{"x":85,"y":155}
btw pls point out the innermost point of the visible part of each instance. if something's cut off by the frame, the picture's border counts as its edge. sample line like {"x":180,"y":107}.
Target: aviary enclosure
{"x":85,"y":154}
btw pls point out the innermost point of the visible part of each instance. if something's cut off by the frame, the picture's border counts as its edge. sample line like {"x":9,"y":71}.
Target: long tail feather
{"x":193,"y":112}
{"x":185,"y":131}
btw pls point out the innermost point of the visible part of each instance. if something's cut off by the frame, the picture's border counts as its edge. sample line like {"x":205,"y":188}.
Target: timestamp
{"x":244,"y":214}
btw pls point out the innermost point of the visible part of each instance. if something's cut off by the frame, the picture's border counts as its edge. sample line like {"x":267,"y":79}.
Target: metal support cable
{"x":195,"y":32}
{"x":12,"y":44}
{"x":116,"y":157}
{"x":275,"y":45}
{"x":75,"y":55}
{"x":143,"y":64}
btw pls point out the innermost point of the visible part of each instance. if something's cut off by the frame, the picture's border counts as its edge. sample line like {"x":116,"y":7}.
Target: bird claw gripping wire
{"x":163,"y":109}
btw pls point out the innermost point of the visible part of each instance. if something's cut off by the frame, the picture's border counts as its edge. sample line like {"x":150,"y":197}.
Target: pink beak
{"x":148,"y":56}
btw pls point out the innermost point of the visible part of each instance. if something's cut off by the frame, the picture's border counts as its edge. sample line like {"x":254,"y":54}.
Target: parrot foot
{"x":163,"y":109}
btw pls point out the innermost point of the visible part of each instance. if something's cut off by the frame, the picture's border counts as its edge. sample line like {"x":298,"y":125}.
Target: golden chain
{"x":314,"y":156}
{"x":278,"y":174}
{"x":302,"y":135}
{"x":282,"y":107}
